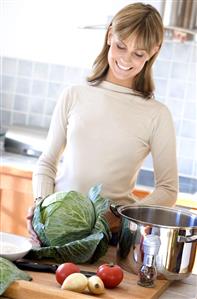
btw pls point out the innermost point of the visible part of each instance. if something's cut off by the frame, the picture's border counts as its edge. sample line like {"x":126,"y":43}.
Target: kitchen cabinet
{"x":15,"y":199}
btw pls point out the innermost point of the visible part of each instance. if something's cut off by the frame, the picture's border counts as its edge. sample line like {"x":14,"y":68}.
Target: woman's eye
{"x":139,"y":55}
{"x":120,"y":46}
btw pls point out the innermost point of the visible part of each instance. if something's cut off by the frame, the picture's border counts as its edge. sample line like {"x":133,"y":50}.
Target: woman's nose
{"x":126,"y":59}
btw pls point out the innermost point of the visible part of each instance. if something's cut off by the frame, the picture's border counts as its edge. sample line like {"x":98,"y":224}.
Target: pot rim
{"x":122,"y":208}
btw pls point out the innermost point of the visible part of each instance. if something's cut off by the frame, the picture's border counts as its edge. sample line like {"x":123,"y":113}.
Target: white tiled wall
{"x":176,"y":77}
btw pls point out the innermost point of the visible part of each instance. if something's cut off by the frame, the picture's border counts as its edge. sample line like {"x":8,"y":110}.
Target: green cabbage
{"x":64,"y":217}
{"x":71,"y":226}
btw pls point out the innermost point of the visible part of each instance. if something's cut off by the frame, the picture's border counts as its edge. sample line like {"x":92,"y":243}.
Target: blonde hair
{"x":144,"y":22}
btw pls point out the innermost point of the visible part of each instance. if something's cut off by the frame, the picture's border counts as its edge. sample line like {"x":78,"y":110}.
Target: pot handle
{"x":114,"y":208}
{"x":187,"y":239}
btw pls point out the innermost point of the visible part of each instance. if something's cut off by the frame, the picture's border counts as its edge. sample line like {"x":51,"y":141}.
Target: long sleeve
{"x":45,"y":171}
{"x":163,"y":150}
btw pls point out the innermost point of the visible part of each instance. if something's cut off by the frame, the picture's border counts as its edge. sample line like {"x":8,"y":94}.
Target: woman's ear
{"x":109,"y":36}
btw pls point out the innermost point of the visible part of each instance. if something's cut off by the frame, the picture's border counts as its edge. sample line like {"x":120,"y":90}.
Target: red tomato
{"x":64,"y":270}
{"x":110,"y":274}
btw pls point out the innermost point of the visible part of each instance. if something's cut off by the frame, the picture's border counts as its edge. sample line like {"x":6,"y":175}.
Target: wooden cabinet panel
{"x":13,"y":211}
{"x":15,"y":199}
{"x":15,"y":183}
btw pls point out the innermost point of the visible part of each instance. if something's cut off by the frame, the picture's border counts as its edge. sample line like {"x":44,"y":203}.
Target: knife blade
{"x":47,"y":268}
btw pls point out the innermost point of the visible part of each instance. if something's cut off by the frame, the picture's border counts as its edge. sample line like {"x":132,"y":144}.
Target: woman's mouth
{"x":123,"y":67}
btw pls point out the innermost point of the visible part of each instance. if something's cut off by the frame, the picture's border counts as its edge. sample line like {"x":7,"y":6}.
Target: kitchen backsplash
{"x":29,"y":91}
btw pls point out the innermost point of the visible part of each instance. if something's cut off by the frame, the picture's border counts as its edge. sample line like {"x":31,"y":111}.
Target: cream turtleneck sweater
{"x":104,"y":133}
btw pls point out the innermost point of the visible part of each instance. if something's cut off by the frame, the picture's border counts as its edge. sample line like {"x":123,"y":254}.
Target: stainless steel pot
{"x":176,"y":228}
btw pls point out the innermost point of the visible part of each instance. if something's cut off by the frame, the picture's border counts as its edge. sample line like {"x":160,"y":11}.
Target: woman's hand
{"x":33,"y":236}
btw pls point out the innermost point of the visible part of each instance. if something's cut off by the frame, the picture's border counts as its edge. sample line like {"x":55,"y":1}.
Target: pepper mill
{"x":148,"y":273}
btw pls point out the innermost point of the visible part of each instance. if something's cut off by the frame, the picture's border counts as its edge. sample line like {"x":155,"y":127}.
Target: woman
{"x":106,"y":128}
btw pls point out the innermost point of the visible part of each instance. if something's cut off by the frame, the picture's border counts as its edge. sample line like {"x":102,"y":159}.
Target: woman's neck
{"x":112,"y":79}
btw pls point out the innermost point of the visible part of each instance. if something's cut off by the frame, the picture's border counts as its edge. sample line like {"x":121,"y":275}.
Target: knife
{"x":48,"y":268}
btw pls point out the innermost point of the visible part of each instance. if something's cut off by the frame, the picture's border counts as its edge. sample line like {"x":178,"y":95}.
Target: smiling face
{"x":125,"y":60}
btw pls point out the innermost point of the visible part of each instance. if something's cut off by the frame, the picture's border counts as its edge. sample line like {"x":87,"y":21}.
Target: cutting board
{"x":44,"y":286}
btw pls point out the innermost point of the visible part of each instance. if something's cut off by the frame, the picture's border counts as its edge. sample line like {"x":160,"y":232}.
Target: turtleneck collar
{"x":118,"y":88}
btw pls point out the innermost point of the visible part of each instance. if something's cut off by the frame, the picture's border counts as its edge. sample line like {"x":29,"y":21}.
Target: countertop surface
{"x":18,"y":161}
{"x":182,"y":289}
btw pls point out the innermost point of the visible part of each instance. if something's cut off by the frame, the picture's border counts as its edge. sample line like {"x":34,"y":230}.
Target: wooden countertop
{"x":17,"y":164}
{"x":21,"y":172}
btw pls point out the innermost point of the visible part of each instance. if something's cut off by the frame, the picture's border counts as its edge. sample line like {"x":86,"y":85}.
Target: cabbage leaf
{"x":9,"y":273}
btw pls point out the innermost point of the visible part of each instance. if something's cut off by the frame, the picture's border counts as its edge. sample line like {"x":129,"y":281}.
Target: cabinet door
{"x":15,"y":199}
